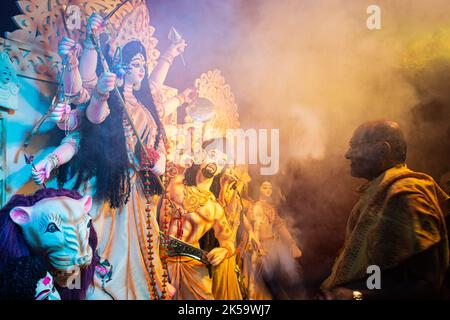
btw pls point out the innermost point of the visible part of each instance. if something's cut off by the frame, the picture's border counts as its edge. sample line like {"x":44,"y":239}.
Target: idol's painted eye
{"x":52,"y":228}
{"x":89,"y":223}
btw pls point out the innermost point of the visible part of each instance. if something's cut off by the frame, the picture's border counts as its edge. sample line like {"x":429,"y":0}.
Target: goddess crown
{"x":135,"y":25}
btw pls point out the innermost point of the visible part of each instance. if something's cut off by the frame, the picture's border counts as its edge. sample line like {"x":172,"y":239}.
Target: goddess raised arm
{"x":79,"y":77}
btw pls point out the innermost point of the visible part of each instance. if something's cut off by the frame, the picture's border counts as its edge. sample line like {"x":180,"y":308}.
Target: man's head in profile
{"x":375,"y":147}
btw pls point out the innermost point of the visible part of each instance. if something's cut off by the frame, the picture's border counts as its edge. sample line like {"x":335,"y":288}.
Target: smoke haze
{"x":315,"y":71}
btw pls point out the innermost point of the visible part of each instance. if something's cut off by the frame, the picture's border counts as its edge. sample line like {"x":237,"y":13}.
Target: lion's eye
{"x":52,"y":228}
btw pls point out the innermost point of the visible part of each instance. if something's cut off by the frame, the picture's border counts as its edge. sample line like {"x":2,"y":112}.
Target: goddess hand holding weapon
{"x":79,"y":89}
{"x":80,"y":77}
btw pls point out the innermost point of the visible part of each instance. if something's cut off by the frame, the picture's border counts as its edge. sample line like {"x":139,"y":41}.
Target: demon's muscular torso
{"x":193,"y":212}
{"x":197,"y":212}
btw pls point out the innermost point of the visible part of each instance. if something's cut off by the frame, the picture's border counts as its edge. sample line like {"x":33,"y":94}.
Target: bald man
{"x":397,"y":225}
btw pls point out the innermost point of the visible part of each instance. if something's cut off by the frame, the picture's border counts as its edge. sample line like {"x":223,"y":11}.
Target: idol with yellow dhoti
{"x":229,"y":279}
{"x":190,"y":210}
{"x":276,"y":244}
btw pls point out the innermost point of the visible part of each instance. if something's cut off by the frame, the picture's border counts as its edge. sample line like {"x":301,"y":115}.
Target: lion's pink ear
{"x":20,"y":215}
{"x":87,"y":203}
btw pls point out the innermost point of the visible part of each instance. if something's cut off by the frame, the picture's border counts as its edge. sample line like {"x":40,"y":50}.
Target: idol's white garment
{"x":122,"y":233}
{"x":123,"y":242}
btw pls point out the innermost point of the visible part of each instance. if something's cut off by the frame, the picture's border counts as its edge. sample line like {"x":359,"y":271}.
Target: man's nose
{"x":348,"y":154}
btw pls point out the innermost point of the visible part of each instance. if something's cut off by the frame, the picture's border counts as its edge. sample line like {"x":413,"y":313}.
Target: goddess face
{"x":266,"y":189}
{"x":5,"y":74}
{"x":136,"y":71}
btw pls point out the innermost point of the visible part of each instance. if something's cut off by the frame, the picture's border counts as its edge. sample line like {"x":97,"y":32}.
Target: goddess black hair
{"x":102,"y":153}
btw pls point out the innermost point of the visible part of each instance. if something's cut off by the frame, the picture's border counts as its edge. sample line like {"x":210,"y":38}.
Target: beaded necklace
{"x":144,"y":166}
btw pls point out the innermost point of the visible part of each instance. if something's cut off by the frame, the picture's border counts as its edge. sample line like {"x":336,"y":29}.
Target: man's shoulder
{"x":412,"y":182}
{"x":418,"y":192}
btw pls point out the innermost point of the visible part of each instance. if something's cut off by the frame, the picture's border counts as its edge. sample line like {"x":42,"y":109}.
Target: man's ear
{"x":20,"y":215}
